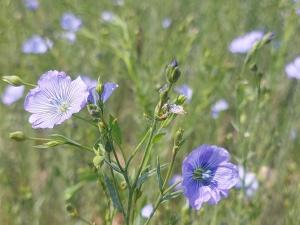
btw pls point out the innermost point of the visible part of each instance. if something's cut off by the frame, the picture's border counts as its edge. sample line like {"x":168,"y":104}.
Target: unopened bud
{"x":99,"y":87}
{"x":178,"y":137}
{"x":71,"y":210}
{"x":97,"y":161}
{"x":13,"y":80}
{"x":123,"y":185}
{"x":17,"y":136}
{"x":180,"y":100}
{"x":53,"y":143}
{"x":268,"y":38}
{"x":173,"y":72}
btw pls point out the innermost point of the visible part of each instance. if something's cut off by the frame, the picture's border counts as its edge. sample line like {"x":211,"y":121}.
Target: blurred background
{"x":130,"y":42}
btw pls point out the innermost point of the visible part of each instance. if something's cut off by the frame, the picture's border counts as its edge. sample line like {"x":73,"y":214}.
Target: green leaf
{"x":172,"y":195}
{"x":148,"y":173}
{"x":113,"y":193}
{"x":159,"y":178}
{"x":115,"y":130}
{"x":71,"y":191}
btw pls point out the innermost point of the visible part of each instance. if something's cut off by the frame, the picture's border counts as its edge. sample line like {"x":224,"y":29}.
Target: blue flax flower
{"x":108,"y":89}
{"x":70,"y":22}
{"x":176,"y":179}
{"x":36,"y":45}
{"x":219,"y":106}
{"x":31,"y":4}
{"x":12,"y":94}
{"x":55,"y":99}
{"x":208,"y":175}
{"x":185,"y":90}
{"x":244,"y":43}
{"x":247,"y":182}
{"x":292,"y":69}
{"x":147,"y":211}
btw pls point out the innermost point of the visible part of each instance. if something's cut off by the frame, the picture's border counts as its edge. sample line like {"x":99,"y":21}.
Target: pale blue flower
{"x":36,"y":45}
{"x":244,"y":43}
{"x":218,"y":107}
{"x":166,"y":23}
{"x":107,"y":16}
{"x":31,"y":4}
{"x":69,"y":36}
{"x":176,"y":179}
{"x":292,"y":69}
{"x":185,"y":90}
{"x":12,"y":94}
{"x":70,"y":22}
{"x":55,"y":99}
{"x":247,"y":181}
{"x":147,"y":211}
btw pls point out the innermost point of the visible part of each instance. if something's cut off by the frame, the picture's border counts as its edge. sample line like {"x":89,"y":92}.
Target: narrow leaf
{"x":113,"y":193}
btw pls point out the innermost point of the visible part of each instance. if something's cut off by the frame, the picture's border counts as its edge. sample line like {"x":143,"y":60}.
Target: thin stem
{"x":170,"y":169}
{"x":85,"y":120}
{"x":137,"y":148}
{"x":146,"y":152}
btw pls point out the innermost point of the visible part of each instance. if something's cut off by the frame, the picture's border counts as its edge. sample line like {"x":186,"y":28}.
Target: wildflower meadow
{"x":169,"y":112}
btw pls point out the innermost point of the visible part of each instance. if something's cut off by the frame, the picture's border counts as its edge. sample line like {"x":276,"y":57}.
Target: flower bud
{"x":99,"y":87}
{"x":71,"y":210}
{"x":13,"y":80}
{"x":17,"y":136}
{"x":97,"y":161}
{"x":268,"y":38}
{"x":173,"y":72}
{"x":123,"y":185}
{"x":180,"y":100}
{"x":94,"y":111}
{"x":178,"y":137}
{"x":53,"y":143}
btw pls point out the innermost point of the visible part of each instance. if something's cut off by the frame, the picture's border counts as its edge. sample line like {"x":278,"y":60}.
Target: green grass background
{"x":32,"y":182}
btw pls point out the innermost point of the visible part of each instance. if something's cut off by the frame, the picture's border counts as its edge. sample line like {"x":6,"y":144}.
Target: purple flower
{"x":31,"y":4}
{"x":69,"y":36}
{"x":185,"y":90}
{"x":166,"y":23}
{"x":108,"y":89}
{"x":55,"y":99}
{"x":12,"y":94}
{"x":176,"y":179}
{"x":36,"y":45}
{"x":218,"y":107}
{"x":90,"y":83}
{"x":107,"y":16}
{"x":208,"y":175}
{"x":147,"y":211}
{"x":244,"y":43}
{"x":70,"y":22}
{"x":247,"y":181}
{"x":293,"y":69}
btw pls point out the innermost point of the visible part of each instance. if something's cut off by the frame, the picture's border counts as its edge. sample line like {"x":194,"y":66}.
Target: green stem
{"x":137,"y":148}
{"x":85,"y":120}
{"x":170,"y":168}
{"x":147,"y":150}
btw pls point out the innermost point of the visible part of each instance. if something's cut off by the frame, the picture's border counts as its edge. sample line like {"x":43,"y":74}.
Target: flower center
{"x":202,"y":174}
{"x":63,"y":107}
